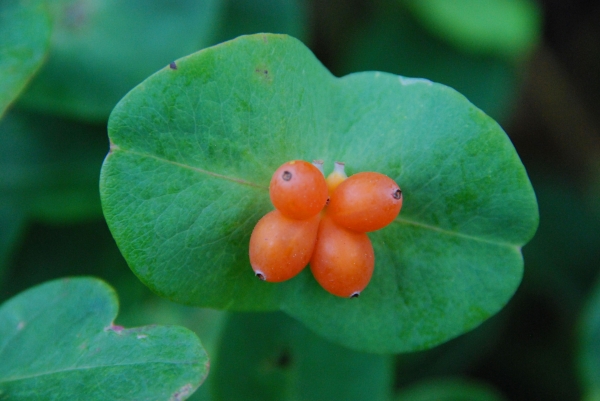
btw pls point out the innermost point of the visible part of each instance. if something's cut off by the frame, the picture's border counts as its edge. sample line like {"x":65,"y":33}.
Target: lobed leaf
{"x":193,"y":150}
{"x":57,"y":341}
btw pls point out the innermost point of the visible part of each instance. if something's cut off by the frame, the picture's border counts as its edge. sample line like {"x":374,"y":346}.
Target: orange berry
{"x":298,"y":190}
{"x":336,"y":177}
{"x":343,"y":260}
{"x":281,"y":247}
{"x":365,"y":202}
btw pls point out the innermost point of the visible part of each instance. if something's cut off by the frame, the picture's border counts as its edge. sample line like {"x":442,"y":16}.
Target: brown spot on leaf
{"x":182,"y":393}
{"x":263,"y":72}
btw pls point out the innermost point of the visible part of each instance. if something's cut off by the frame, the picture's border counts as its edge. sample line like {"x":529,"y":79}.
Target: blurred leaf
{"x":24,"y":38}
{"x":57,"y":341}
{"x":455,"y":357}
{"x":536,"y":354}
{"x":183,"y":186}
{"x":48,"y":252}
{"x":208,"y":324}
{"x":508,"y":28}
{"x":449,"y":390}
{"x":564,"y":256}
{"x":49,"y":170}
{"x":51,"y":251}
{"x":589,"y":353}
{"x":242,"y":17}
{"x":102,"y":49}
{"x":12,"y":220}
{"x":50,"y":167}
{"x":270,"y":356}
{"x":392,"y":41}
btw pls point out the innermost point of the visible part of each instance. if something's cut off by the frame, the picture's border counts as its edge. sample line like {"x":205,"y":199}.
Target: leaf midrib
{"x":399,"y":220}
{"x":405,"y":221}
{"x":115,"y":148}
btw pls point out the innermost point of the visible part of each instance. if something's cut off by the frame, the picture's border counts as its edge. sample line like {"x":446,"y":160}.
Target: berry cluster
{"x":323,"y":222}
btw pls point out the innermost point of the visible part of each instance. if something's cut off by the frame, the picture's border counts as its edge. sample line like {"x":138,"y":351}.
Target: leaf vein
{"x":196,"y":169}
{"x":405,"y":221}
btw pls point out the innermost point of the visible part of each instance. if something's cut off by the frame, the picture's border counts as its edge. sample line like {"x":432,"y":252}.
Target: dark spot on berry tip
{"x":173,"y":66}
{"x":261,"y":276}
{"x":397,"y":194}
{"x":286,"y":176}
{"x":355,"y":295}
{"x":327,"y":201}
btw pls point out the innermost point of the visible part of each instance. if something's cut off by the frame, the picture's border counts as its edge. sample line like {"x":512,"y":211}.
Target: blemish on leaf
{"x":182,"y":393}
{"x":172,"y":65}
{"x":263,"y":73}
{"x":141,"y":336}
{"x":113,"y":147}
{"x":21,"y":325}
{"x":115,"y":328}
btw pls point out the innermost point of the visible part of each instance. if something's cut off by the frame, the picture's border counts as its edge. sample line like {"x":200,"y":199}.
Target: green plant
{"x":193,"y":143}
{"x":182,"y":188}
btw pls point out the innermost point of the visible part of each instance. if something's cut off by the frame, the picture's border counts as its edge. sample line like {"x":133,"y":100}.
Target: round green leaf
{"x":57,"y":342}
{"x":101,"y":49}
{"x":508,"y":28}
{"x":270,"y":356}
{"x":193,"y":150}
{"x":24,"y":38}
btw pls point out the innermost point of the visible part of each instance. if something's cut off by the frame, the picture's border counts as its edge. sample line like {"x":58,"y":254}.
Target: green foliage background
{"x":65,"y":64}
